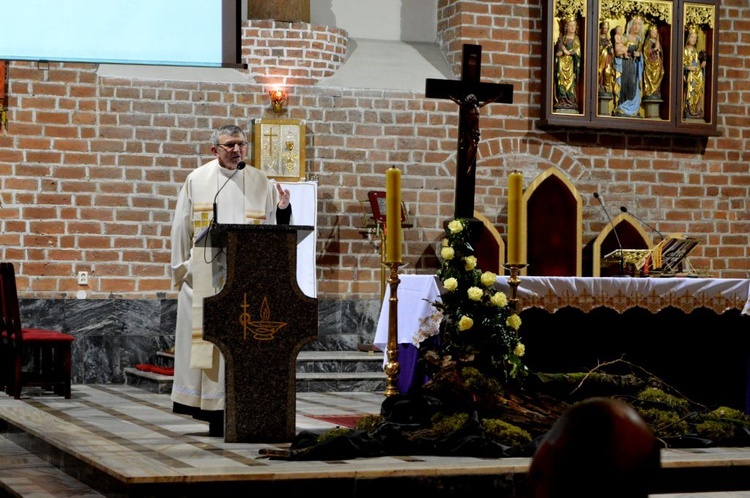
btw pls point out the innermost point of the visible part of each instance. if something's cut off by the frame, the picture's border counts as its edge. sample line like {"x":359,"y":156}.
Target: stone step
{"x":339,"y":361}
{"x":317,"y":371}
{"x":150,"y":381}
{"x":24,"y":474}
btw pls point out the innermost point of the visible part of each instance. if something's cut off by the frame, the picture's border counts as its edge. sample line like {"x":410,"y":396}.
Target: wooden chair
{"x":47,"y":351}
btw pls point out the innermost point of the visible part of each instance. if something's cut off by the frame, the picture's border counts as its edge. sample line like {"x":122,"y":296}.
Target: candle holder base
{"x":513,"y":281}
{"x":392,"y":367}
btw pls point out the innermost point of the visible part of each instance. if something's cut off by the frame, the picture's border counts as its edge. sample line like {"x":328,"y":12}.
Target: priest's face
{"x":230,"y":150}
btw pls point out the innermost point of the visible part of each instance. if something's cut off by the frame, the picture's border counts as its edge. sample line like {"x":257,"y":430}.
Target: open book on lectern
{"x":669,"y":255}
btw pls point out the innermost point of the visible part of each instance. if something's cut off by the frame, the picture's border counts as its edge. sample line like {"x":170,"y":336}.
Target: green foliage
{"x":729,"y":414}
{"x":333,"y":433}
{"x":718,"y":431}
{"x":505,"y":433}
{"x":664,"y":423}
{"x":369,"y":422}
{"x":666,"y":414}
{"x":668,"y":401}
{"x":722,"y":425}
{"x":481,"y":384}
{"x":444,"y":425}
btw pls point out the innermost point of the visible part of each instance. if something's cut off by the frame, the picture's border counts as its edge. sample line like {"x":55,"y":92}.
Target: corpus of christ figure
{"x":471,"y":95}
{"x":468,"y":129}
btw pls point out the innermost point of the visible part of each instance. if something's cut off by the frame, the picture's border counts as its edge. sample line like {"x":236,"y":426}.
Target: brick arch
{"x":552,"y":171}
{"x":529,"y":152}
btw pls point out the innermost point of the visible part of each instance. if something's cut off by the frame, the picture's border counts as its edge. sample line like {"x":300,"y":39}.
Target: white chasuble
{"x":199,"y":270}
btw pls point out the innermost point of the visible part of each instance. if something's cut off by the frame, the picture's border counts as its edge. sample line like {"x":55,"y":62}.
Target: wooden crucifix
{"x":471,"y":95}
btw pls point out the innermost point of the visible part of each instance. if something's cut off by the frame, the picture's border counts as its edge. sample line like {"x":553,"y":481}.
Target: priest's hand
{"x":284,"y":196}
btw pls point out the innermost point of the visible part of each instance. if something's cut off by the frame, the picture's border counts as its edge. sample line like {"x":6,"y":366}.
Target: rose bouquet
{"x":478,"y":326}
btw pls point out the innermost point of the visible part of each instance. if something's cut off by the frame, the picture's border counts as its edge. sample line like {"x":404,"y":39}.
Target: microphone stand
{"x":625,"y":210}
{"x":614,"y":230}
{"x":212,"y":228}
{"x":215,"y":220}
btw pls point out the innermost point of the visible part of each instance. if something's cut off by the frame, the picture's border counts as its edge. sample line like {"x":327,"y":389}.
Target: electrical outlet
{"x":83,"y":278}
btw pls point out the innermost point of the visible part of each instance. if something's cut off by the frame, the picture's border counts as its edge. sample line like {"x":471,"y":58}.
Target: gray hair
{"x":231,"y":130}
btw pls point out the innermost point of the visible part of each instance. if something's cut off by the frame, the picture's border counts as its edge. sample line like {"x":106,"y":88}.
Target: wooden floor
{"x":119,"y":440}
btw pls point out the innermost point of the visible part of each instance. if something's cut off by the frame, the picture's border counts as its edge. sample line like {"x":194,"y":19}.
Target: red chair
{"x":31,"y":357}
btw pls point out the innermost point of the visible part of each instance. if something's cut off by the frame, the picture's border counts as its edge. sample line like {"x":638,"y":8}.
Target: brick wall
{"x":90,"y":166}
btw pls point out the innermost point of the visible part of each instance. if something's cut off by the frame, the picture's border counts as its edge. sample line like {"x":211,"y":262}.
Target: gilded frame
{"x":279,"y":148}
{"x":582,"y":76}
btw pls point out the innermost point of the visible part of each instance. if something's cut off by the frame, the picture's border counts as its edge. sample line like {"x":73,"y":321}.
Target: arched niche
{"x":551,"y":226}
{"x":490,"y":250}
{"x":631,"y":235}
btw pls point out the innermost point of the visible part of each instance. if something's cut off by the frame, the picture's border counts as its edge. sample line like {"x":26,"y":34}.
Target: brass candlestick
{"x":392,"y":366}
{"x":513,"y":281}
{"x":383,"y":264}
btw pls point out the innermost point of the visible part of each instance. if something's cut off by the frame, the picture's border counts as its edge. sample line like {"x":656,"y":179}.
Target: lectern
{"x":260,"y":320}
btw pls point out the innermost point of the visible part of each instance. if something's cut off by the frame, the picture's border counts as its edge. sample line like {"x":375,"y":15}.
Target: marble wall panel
{"x":113,"y":334}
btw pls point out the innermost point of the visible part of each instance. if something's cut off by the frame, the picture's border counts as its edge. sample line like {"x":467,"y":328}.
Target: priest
{"x":220,"y":191}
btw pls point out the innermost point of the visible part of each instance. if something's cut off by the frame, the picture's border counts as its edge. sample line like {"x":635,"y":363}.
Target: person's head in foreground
{"x":599,"y":447}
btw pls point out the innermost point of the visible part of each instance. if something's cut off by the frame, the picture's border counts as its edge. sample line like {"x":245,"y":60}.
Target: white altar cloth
{"x":621,"y":294}
{"x":415,"y":292}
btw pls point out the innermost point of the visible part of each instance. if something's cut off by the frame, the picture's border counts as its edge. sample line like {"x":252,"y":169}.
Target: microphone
{"x":240,"y":165}
{"x":625,"y":210}
{"x":614,"y":230}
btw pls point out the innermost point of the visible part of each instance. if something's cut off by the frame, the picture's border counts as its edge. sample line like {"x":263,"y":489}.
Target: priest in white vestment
{"x":234,"y":194}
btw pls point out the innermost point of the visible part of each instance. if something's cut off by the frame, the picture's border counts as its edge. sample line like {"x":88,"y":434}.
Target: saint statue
{"x":629,"y":65}
{"x":606,"y":54}
{"x":693,"y":76}
{"x":653,"y":71}
{"x":567,"y":68}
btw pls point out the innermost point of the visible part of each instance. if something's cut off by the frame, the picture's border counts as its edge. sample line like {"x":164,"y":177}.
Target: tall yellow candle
{"x":515,"y":187}
{"x":393,"y":235}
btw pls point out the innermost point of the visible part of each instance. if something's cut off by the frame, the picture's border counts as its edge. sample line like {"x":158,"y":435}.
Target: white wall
{"x":395,"y":20}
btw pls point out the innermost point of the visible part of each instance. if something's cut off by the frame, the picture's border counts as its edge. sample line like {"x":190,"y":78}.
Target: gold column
{"x":392,"y":366}
{"x":383,"y":264}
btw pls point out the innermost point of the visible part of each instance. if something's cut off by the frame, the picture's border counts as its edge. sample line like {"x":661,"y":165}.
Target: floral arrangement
{"x":478,"y":326}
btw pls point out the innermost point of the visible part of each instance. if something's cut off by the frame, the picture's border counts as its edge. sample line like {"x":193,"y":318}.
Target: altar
{"x":694,"y":333}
